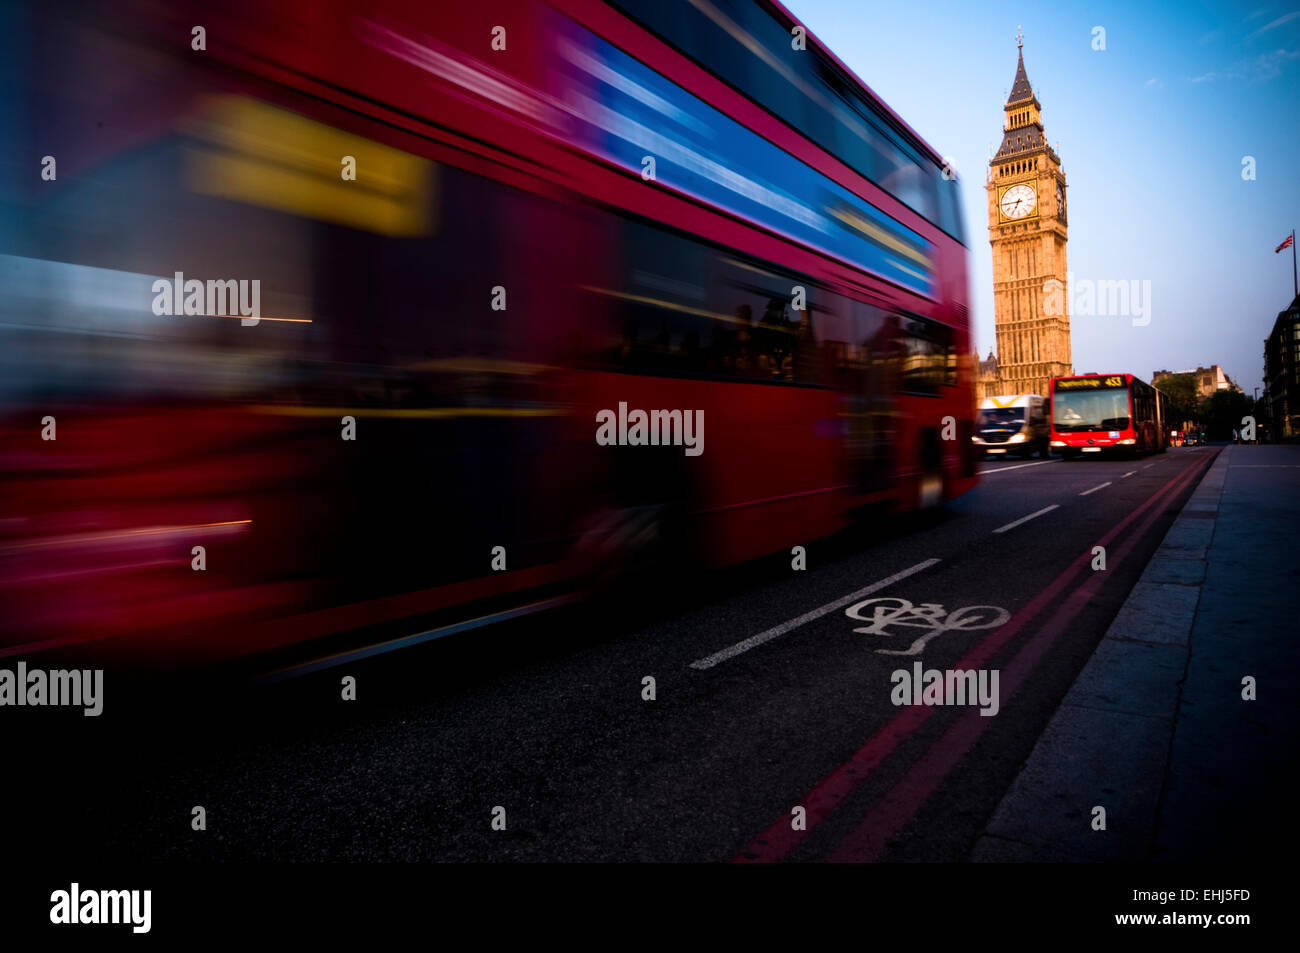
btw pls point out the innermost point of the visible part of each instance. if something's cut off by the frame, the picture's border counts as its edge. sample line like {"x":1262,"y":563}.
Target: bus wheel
{"x":929,"y":491}
{"x":639,"y":534}
{"x":618,"y":546}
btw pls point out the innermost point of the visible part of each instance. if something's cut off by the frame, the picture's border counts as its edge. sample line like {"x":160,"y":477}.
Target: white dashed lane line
{"x":1026,"y":519}
{"x":767,"y":636}
{"x":1095,"y":489}
{"x":1019,"y":466}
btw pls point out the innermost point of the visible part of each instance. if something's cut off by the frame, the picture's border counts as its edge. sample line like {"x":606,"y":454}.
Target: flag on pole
{"x":1295,"y":272}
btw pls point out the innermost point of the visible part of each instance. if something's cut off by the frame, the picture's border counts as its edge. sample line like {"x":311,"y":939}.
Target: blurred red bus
{"x":1108,"y":413}
{"x":476,"y":229}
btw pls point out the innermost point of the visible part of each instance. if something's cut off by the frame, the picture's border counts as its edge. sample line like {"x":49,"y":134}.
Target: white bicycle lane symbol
{"x":887,"y":611}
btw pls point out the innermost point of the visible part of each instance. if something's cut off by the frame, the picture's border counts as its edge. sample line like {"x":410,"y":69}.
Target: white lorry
{"x":1016,"y":423}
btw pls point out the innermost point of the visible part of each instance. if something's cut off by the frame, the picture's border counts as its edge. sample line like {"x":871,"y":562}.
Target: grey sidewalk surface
{"x":1155,"y":730}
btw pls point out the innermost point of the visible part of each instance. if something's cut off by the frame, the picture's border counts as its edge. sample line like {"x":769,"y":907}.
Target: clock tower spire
{"x":1028,"y":233}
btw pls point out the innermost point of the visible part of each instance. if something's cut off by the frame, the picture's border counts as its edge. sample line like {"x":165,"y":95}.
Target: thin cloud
{"x":1274,"y":24}
{"x":1257,"y":69}
{"x":1269,"y":65}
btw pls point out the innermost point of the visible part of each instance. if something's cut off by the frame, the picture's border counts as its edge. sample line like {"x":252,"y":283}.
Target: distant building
{"x":1208,"y":379}
{"x":988,"y":382}
{"x":1028,"y":234}
{"x":1282,"y":372}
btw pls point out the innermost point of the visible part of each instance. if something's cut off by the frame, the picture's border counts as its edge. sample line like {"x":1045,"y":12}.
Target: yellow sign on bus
{"x":256,"y":153}
{"x":1089,"y":383}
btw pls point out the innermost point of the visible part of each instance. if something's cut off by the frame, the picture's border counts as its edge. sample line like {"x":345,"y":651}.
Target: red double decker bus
{"x":1108,"y":414}
{"x":479,"y":233}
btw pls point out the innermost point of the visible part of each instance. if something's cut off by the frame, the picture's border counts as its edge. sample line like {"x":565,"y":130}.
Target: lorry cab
{"x":1012,"y":424}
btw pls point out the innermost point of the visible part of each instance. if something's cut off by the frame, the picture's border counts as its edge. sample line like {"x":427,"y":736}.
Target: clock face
{"x":1018,"y":201}
{"x":1060,"y":201}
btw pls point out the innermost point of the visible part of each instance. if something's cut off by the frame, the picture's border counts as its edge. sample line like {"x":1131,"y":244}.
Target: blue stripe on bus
{"x":626,"y":112}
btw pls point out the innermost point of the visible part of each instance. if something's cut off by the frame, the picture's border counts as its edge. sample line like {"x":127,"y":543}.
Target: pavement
{"x":1162,"y":729}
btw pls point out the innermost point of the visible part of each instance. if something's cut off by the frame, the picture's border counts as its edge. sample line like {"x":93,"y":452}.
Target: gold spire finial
{"x":1020,"y":38}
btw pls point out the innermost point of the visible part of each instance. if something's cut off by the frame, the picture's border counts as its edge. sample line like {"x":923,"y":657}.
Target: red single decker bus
{"x":1108,"y":413}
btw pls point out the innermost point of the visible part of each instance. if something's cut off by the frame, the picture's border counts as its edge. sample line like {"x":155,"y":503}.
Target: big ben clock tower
{"x":1027,"y":229}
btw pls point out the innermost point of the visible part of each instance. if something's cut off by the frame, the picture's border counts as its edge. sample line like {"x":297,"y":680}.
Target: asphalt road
{"x":545,"y":717}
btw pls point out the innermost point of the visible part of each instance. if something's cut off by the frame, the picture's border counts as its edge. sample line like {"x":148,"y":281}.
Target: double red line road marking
{"x":868,"y":840}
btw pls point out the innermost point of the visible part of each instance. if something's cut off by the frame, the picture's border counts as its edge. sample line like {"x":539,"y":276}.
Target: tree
{"x":1222,"y":412}
{"x":1181,"y":391}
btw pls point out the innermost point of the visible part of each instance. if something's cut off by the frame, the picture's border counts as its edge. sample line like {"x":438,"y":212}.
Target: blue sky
{"x":1152,"y":133}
